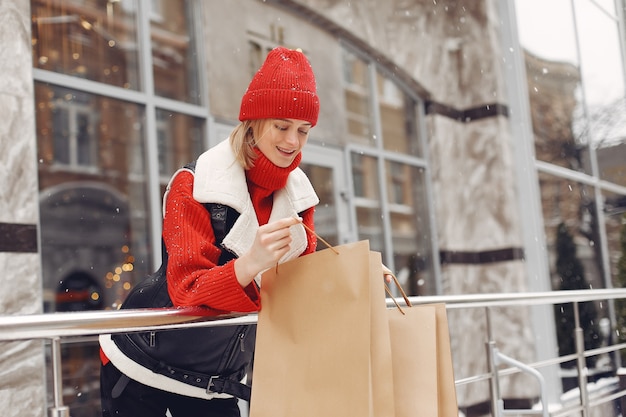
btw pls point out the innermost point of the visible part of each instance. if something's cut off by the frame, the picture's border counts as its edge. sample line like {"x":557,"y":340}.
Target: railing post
{"x":58,"y":409}
{"x":494,"y":385}
{"x":581,"y":364}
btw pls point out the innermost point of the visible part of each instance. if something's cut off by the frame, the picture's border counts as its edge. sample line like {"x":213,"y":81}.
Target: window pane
{"x":326,"y":211}
{"x":61,"y":135}
{"x":94,"y":222}
{"x":569,"y":211}
{"x":92,"y":40}
{"x":180,"y":141}
{"x":612,"y":159}
{"x":615,"y":227}
{"x":410,"y":228}
{"x":367,"y":200}
{"x":84,"y":140}
{"x":548,"y":38}
{"x":357,"y":96}
{"x":174,"y":57}
{"x":72,"y":127}
{"x":397,"y":117}
{"x":603,"y":81}
{"x":600,"y":56}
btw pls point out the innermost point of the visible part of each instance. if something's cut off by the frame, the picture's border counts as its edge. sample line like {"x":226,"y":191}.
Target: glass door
{"x":324,"y":167}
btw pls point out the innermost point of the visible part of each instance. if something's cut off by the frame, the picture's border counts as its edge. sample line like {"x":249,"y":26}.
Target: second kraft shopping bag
{"x":422,"y":361}
{"x":313,"y":351}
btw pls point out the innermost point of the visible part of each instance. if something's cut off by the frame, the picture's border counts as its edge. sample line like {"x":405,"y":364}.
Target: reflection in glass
{"x":397,"y":118}
{"x":578,"y":111}
{"x":603,"y":83}
{"x":357,"y":96}
{"x":615,"y":229}
{"x":548,"y":39}
{"x":571,"y":205}
{"x":92,"y":40}
{"x":575,"y":259}
{"x":180,"y":141}
{"x":555,"y":110}
{"x":367,"y":200}
{"x":600,"y":55}
{"x":546,"y":29}
{"x":93,"y":207}
{"x":326,"y":211}
{"x":74,"y":139}
{"x":576,"y":80}
{"x":174,"y":57}
{"x":410,"y":228}
{"x":612,"y":160}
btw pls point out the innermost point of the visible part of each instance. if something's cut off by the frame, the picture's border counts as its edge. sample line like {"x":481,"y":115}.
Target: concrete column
{"x":22,"y":380}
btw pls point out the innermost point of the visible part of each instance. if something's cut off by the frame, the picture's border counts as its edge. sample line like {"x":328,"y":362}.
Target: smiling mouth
{"x":286,"y":151}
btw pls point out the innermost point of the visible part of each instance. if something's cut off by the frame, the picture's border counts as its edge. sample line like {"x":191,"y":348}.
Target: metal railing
{"x":56,"y":326}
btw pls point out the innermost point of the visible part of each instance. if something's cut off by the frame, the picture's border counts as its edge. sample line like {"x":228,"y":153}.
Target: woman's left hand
{"x":387,"y":274}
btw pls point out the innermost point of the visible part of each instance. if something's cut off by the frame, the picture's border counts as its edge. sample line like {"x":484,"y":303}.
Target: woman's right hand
{"x":271,"y":243}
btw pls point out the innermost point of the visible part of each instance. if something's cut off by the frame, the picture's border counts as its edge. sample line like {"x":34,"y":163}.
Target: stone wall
{"x":22,"y":387}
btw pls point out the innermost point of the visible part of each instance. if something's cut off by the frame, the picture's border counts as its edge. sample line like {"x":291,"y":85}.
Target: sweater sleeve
{"x":193,"y":274}
{"x":308,"y":219}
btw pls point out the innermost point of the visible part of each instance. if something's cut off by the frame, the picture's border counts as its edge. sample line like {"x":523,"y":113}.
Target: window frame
{"x":147,"y":98}
{"x":377,"y":151}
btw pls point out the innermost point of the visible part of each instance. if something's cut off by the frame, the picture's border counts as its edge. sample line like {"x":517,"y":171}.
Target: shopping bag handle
{"x":318,"y":236}
{"x":388,"y":291}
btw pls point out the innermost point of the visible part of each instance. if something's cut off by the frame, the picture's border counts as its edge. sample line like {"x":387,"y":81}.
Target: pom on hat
{"x":284,"y":88}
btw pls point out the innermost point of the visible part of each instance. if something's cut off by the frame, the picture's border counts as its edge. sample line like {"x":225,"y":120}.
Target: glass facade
{"x":104,"y":125}
{"x":92,"y":177}
{"x":100,"y":142}
{"x":87,"y":39}
{"x":577,"y":98}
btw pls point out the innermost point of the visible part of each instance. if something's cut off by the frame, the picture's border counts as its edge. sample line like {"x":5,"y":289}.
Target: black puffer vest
{"x":214,"y":358}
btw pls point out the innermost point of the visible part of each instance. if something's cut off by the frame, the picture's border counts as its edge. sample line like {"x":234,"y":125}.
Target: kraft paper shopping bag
{"x":313,"y":336}
{"x":422,"y":362}
{"x":382,"y":396}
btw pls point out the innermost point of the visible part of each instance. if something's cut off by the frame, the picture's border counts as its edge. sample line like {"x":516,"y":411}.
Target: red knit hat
{"x":284,"y":87}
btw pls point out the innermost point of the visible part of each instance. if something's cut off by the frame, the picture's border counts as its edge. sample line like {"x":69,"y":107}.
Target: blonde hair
{"x":242,"y":141}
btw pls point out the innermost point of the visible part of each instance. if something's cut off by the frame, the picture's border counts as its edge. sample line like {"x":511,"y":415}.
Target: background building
{"x":456,"y":136}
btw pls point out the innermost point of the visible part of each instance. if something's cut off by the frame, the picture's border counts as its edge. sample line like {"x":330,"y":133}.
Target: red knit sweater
{"x":193,"y":276}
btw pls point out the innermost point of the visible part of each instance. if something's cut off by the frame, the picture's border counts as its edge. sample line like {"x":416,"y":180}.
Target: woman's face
{"x":281,"y":140}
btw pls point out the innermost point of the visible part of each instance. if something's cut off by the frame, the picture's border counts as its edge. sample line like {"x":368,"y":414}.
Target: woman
{"x":254,"y":175}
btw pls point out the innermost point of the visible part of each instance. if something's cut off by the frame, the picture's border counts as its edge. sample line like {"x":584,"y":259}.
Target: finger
{"x":289,"y":221}
{"x":281,"y":224}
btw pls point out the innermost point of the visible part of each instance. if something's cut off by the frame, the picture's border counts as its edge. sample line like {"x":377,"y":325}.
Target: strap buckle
{"x":211,"y":384}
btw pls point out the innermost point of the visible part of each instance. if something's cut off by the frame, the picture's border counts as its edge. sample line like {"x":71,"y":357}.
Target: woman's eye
{"x":304,"y":132}
{"x":281,"y":127}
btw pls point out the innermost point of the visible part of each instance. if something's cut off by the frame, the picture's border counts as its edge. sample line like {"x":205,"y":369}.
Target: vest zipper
{"x":242,"y":347}
{"x":237,"y":344}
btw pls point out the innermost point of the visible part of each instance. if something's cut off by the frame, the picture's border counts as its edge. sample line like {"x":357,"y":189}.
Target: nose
{"x":291,"y":137}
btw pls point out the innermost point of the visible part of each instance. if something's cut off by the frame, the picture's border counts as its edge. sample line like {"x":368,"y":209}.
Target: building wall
{"x":226,"y":86}
{"x":22,"y":388}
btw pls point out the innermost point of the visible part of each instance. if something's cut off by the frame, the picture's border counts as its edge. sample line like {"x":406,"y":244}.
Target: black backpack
{"x":215,"y":358}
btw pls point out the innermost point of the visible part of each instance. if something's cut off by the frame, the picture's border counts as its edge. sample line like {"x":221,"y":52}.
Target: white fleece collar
{"x":220,"y":179}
